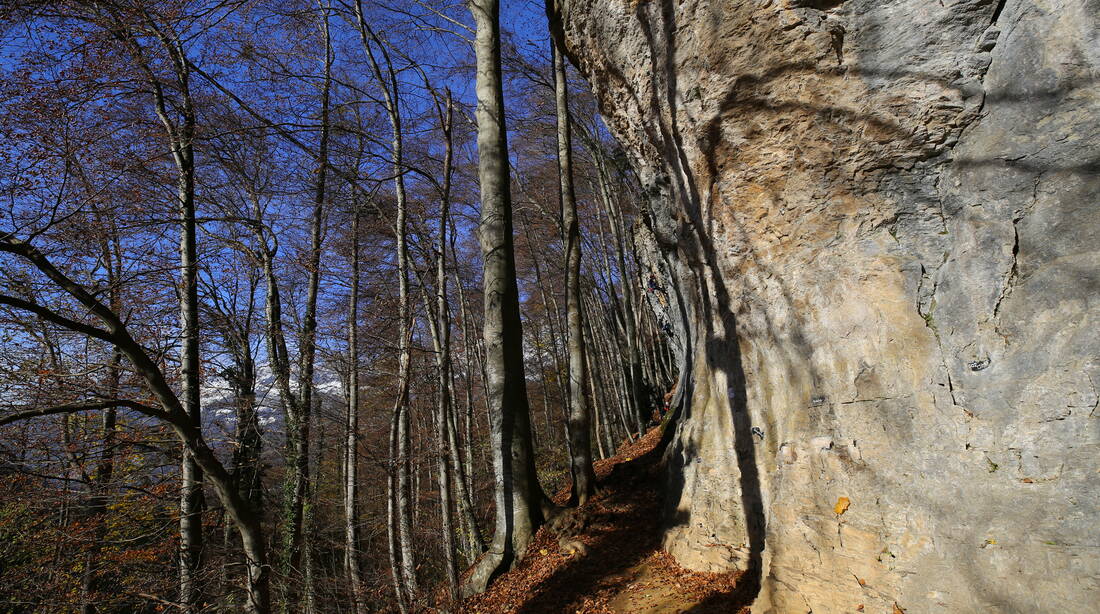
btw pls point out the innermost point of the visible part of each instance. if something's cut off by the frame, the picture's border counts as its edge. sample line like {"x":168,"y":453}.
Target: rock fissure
{"x":997,"y":12}
{"x":1013,"y":271}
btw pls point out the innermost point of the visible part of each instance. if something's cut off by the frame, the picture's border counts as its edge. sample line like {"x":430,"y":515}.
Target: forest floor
{"x":624,"y":570}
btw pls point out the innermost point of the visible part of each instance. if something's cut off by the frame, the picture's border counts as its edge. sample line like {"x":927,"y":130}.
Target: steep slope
{"x":873,"y":229}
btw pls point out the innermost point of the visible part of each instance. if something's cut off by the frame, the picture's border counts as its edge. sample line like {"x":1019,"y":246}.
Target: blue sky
{"x":526,"y":19}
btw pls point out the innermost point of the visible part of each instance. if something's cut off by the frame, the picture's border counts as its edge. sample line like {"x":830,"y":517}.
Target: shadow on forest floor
{"x":625,"y":570}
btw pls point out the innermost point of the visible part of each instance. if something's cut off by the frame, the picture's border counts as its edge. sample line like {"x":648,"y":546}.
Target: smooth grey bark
{"x":580,"y":448}
{"x":400,"y":487}
{"x":479,"y":352}
{"x":474,"y":542}
{"x":439,"y":326}
{"x":180,"y":132}
{"x":468,"y":379}
{"x":547,"y":422}
{"x":394,"y":548}
{"x":521,"y":505}
{"x":351,"y":442}
{"x":445,"y":471}
{"x":478,"y":347}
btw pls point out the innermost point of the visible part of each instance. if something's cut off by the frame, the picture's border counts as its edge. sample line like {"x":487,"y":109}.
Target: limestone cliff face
{"x":879,"y":222}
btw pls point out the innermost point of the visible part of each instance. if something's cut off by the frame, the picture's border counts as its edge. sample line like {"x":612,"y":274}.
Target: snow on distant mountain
{"x":219,"y":405}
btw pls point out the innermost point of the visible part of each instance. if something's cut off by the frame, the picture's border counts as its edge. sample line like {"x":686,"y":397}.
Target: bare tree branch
{"x":72,"y":408}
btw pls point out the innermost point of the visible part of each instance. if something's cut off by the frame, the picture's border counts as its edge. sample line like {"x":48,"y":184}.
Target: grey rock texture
{"x":878,"y":223}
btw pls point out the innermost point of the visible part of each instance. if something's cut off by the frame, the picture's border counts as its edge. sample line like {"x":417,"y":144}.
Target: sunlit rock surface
{"x":874,"y":227}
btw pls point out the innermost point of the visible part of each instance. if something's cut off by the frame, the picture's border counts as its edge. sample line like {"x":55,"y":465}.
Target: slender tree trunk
{"x":404,"y":441}
{"x":279,"y":360}
{"x":391,"y":519}
{"x":404,"y":507}
{"x":181,"y":133}
{"x":351,"y":445}
{"x":179,"y":125}
{"x":474,"y":541}
{"x":612,"y":362}
{"x":617,"y":329}
{"x":197,"y":457}
{"x":450,"y":565}
{"x":298,"y":514}
{"x":420,"y":467}
{"x":547,"y":422}
{"x":479,"y":352}
{"x":402,"y":490}
{"x":580,"y":461}
{"x":442,"y":337}
{"x":191,"y":499}
{"x":521,"y":505}
{"x":598,"y":380}
{"x":468,"y":422}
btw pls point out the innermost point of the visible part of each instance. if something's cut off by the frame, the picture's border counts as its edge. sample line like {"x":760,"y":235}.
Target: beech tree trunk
{"x":351,"y":445}
{"x":580,"y":448}
{"x":181,"y":136}
{"x":439,"y":325}
{"x":400,"y":487}
{"x":521,"y":505}
{"x":179,"y":125}
{"x":601,"y":426}
{"x":185,"y":410}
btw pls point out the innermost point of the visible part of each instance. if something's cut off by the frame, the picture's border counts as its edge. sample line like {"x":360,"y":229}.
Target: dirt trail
{"x":624,"y":570}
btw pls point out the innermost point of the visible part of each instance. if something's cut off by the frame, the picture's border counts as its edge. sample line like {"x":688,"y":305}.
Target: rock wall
{"x":880,"y":224}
